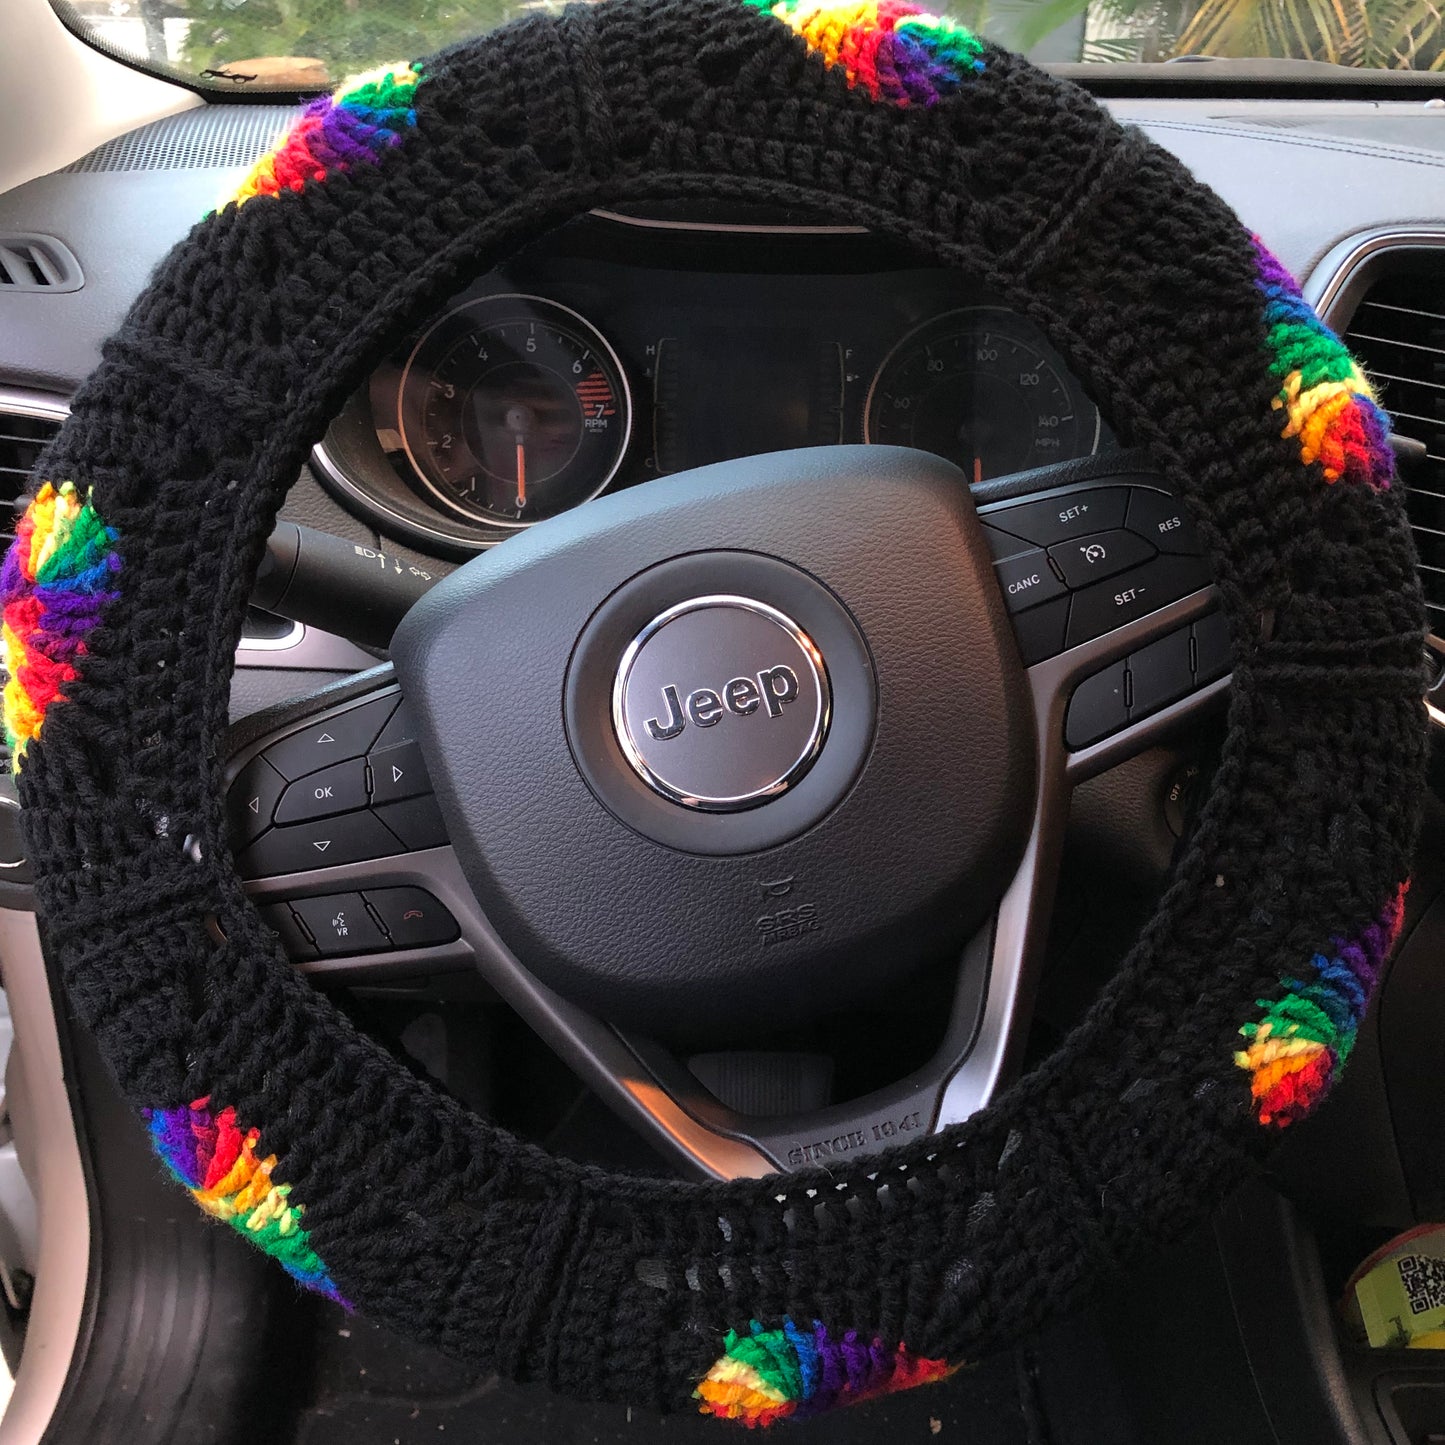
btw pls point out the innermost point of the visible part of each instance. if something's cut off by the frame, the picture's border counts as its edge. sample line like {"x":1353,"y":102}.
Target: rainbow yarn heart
{"x":896,"y":51}
{"x":769,"y":1375}
{"x":218,"y":1161}
{"x":1327,"y":400}
{"x":56,"y":581}
{"x":1298,"y":1048}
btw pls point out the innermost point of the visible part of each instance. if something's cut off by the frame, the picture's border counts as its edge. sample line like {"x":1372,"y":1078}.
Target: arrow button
{"x":348,"y":734}
{"x":398,"y":772}
{"x":251,"y":801}
{"x":322,"y":843}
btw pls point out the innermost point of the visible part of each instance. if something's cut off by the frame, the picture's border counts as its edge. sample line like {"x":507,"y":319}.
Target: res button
{"x":1161,"y":520}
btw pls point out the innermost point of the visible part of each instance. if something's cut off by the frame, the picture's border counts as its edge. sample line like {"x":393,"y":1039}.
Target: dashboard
{"x":625,"y":348}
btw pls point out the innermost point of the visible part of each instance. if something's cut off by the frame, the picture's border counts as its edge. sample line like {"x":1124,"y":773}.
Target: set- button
{"x":347,"y":789}
{"x":378,"y":920}
{"x":1077,"y":565}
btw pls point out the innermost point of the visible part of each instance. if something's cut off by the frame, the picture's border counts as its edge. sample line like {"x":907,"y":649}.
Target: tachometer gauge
{"x":981,"y":388}
{"x":514,"y":409}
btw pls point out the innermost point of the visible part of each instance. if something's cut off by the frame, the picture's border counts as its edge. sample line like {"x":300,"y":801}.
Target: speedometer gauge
{"x":514,"y":409}
{"x":981,"y":388}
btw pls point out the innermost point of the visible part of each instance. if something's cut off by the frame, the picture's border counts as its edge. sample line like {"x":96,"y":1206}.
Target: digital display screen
{"x":729,"y":392}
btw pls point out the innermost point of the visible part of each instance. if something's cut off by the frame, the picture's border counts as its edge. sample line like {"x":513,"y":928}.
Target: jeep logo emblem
{"x":667,"y":703}
{"x":774,"y":689}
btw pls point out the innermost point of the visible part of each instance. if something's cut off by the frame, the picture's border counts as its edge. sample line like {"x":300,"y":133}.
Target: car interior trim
{"x":63,"y":1200}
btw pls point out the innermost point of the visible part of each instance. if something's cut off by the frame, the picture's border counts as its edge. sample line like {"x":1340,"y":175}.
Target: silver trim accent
{"x":726,"y":227}
{"x":291,"y":639}
{"x":583,"y":1042}
{"x":18,"y":401}
{"x":822,"y":713}
{"x":50,"y":1155}
{"x":1068,"y":377}
{"x":544,"y":303}
{"x":1328,"y":280}
{"x":323,"y":462}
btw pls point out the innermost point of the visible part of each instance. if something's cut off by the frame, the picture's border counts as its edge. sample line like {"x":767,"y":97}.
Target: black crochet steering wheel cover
{"x":228,"y":369}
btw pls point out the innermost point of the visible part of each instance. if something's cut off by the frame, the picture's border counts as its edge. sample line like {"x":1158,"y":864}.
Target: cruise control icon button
{"x":1099,"y":555}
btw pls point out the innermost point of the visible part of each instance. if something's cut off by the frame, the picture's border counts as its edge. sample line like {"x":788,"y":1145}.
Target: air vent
{"x":25,"y":430}
{"x":37,"y":263}
{"x":1398,"y":333}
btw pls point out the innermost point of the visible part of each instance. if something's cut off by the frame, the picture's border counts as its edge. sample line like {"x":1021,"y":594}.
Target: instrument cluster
{"x":622,"y":349}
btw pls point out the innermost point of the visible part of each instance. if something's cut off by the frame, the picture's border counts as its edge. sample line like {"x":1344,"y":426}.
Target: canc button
{"x":412,"y":917}
{"x":1027,"y":580}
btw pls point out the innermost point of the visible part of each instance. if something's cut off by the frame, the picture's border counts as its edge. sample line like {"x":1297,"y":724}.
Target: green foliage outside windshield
{"x":314,"y":44}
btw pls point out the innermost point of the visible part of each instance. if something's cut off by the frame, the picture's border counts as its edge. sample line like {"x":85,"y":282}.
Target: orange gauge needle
{"x":978,"y":469}
{"x":521,"y":474}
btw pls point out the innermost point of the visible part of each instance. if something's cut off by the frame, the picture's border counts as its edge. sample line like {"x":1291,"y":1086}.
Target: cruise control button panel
{"x":349,"y":788}
{"x":1084,"y":561}
{"x":1144,"y":682}
{"x":372,"y":920}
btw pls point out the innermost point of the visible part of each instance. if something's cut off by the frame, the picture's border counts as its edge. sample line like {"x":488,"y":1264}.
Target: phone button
{"x":412,"y":917}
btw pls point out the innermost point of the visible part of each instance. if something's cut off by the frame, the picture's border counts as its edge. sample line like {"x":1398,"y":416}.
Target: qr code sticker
{"x":1424,"y":1281}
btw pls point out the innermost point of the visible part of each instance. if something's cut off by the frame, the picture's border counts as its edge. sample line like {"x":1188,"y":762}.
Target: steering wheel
{"x":715,"y":690}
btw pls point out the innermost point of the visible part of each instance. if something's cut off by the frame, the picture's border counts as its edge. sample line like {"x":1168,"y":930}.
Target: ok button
{"x":340,"y":788}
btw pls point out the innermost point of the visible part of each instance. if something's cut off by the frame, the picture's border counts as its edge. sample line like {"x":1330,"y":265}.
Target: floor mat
{"x":374,"y":1388}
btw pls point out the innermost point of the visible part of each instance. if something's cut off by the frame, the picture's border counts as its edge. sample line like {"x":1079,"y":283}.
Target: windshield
{"x":311,"y":45}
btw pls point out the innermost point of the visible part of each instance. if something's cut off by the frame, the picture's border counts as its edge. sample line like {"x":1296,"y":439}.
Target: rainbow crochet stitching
{"x":1327,"y":400}
{"x":768,"y":1375}
{"x":896,"y":51}
{"x":209,"y":1152}
{"x":54,"y":585}
{"x":1298,"y":1048}
{"x":361,"y":122}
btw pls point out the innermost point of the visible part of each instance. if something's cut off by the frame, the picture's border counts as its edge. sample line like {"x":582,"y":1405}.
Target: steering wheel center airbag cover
{"x":905,"y":812}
